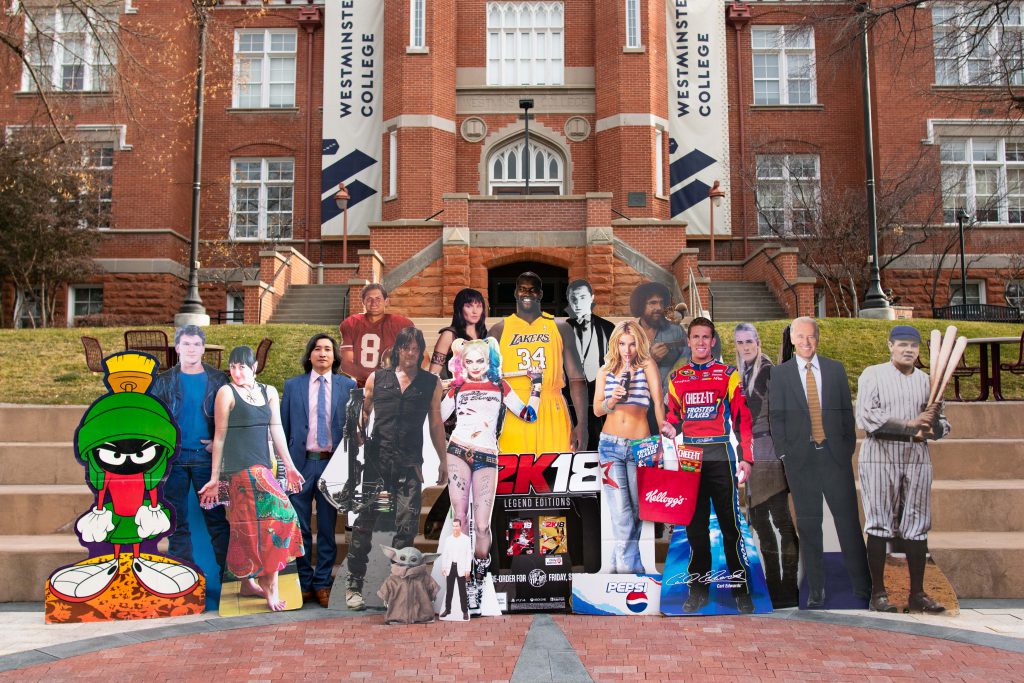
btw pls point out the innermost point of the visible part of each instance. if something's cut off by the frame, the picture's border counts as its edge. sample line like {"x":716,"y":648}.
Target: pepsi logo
{"x":636,"y":601}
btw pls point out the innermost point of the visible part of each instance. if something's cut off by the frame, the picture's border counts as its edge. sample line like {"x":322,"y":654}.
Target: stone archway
{"x":501,"y":284}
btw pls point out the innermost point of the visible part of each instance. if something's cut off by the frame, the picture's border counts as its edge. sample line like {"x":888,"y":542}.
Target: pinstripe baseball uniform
{"x":894,"y":470}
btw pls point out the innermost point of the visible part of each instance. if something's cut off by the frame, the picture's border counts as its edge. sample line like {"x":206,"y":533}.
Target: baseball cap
{"x":905,"y":332}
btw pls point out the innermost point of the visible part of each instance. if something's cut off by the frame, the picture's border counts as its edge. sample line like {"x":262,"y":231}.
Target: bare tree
{"x":53,"y":202}
{"x":827,"y":220}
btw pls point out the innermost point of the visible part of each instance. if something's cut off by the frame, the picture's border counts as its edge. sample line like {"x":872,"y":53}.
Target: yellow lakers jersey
{"x":538,"y":344}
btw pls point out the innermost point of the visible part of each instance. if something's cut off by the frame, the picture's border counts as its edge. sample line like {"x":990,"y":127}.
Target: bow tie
{"x":584,"y":321}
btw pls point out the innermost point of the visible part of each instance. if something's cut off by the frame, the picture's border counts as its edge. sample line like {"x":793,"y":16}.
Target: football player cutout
{"x":895,"y":466}
{"x":531,"y":339}
{"x":367,"y":337}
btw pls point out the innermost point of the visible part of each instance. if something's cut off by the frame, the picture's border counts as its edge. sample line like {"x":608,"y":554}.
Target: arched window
{"x":507,"y":167}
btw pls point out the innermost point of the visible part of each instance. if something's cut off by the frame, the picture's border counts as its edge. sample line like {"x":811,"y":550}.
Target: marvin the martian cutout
{"x":126,"y":441}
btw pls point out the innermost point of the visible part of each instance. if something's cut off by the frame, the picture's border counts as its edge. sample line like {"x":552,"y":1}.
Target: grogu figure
{"x":409,"y":591}
{"x":126,"y":440}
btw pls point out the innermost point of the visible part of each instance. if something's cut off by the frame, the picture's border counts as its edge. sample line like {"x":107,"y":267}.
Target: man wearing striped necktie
{"x":812,"y":426}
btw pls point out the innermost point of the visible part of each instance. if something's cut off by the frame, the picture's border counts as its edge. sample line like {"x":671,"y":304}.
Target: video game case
{"x":553,"y":539}
{"x":519,"y":537}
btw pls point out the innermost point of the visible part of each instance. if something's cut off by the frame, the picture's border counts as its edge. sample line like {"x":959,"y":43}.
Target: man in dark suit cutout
{"x":592,"y":333}
{"x":815,"y":442}
{"x":313,"y":435}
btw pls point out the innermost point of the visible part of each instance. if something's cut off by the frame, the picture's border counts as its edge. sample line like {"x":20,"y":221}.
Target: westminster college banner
{"x":353,"y":123}
{"x":698,"y":112}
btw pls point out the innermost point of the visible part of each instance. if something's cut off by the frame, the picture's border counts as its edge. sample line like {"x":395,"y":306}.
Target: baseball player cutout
{"x":895,"y":465}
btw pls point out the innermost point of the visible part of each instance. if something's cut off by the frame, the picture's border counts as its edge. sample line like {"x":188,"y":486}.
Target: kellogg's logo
{"x":656,"y":496}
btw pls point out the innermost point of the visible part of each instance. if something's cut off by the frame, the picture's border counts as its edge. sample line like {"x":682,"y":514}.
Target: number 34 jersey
{"x":539,"y":344}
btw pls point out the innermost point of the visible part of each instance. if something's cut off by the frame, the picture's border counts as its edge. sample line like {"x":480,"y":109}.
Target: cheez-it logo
{"x":701,"y":397}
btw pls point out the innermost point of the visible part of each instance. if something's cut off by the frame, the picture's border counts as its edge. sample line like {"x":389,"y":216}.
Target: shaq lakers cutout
{"x":126,"y":441}
{"x":531,"y":340}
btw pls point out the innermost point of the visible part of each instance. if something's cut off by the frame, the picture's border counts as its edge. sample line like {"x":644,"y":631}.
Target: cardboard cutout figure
{"x":126,"y":441}
{"x":456,"y":562}
{"x":532,"y":338}
{"x":401,"y":399}
{"x":408,"y":593}
{"x":482,"y":401}
{"x":592,"y":333}
{"x":894,"y":408}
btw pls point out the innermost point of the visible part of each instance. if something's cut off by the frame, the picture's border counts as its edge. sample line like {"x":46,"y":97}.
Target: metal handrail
{"x":789,"y":285}
{"x":696,"y":306}
{"x":259,"y":303}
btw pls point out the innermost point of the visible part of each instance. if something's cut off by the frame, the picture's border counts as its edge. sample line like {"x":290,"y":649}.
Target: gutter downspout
{"x":309,"y":19}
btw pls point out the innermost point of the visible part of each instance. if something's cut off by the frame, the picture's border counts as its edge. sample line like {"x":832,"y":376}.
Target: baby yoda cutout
{"x":409,"y":591}
{"x":126,"y":441}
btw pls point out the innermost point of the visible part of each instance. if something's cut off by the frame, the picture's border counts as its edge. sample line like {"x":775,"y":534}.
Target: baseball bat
{"x":948,"y":341}
{"x":933,"y":355}
{"x":954,"y":358}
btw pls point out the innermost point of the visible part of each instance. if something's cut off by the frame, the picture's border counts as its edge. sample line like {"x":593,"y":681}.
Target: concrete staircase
{"x":313,"y":304}
{"x":978,"y":498}
{"x":977,"y":535}
{"x":737,"y":301}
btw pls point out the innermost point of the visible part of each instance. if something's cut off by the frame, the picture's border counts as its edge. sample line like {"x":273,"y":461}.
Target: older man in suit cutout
{"x":812,"y":426}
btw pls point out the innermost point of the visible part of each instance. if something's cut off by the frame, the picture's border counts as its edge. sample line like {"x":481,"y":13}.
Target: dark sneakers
{"x":922,"y":602}
{"x":880,"y":603}
{"x":698,"y":598}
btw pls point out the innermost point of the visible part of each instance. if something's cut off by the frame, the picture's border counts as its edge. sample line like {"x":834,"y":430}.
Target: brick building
{"x":618,"y":188}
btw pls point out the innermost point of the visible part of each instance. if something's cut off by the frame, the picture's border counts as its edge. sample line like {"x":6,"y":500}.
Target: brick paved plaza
{"x":314,"y":644}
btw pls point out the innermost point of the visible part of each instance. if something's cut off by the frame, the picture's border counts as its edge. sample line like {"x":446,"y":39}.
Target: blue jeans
{"x":623,"y":504}
{"x":192,"y":469}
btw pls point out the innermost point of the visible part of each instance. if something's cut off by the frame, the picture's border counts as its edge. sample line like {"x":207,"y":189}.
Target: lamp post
{"x":876,"y":305}
{"x":961,"y":216}
{"x":341,"y":199}
{"x":192,"y":311}
{"x":526,"y":105}
{"x":716,"y":194}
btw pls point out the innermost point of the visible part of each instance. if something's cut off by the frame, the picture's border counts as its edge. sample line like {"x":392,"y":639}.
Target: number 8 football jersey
{"x":539,"y":344}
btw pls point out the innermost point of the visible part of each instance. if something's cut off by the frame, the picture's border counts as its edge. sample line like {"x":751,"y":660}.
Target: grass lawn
{"x":48,"y":366}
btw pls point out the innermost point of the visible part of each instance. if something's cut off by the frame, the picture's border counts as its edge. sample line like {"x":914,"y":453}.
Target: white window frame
{"x":1016,"y":298}
{"x":263,"y":184}
{"x":954,"y":290}
{"x":417,"y":23}
{"x":94,"y":58}
{"x":955,"y":62}
{"x":513,"y":151}
{"x":633,"y":40}
{"x":266,"y":57}
{"x":785,"y":56}
{"x":525,"y":43}
{"x":393,"y":163}
{"x":969,"y":163}
{"x":229,"y":307}
{"x":791,"y":187}
{"x":659,"y":162}
{"x":73,"y":301}
{"x":106,"y":201}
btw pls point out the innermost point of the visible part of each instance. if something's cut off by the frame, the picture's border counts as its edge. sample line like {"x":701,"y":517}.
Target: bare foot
{"x":251,"y":589}
{"x":269,"y":586}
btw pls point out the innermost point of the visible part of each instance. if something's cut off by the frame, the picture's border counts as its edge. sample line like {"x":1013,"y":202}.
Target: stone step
{"x":957,"y":459}
{"x":39,"y":423}
{"x":42,"y":509}
{"x":40,"y":462}
{"x":980,"y":564}
{"x":978,"y":505}
{"x":987,"y":420}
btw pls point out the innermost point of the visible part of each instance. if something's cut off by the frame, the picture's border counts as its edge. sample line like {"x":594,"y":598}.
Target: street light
{"x":526,"y":105}
{"x":716,"y":194}
{"x":192,"y":311}
{"x":961,"y":216}
{"x":341,"y":199}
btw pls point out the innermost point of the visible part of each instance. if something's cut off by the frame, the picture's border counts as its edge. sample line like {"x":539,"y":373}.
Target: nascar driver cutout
{"x":531,"y":339}
{"x":706,"y":403}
